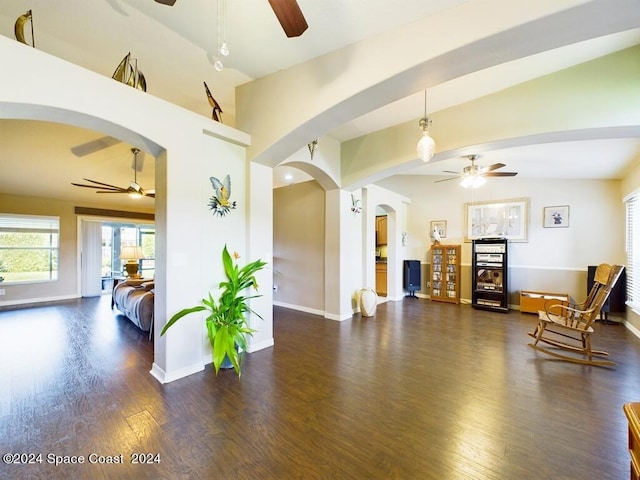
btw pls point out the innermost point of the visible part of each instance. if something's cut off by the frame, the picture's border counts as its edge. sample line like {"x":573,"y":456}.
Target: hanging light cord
{"x":425,"y":103}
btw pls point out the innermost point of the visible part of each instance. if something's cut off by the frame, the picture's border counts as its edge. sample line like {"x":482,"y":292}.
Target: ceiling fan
{"x":287,"y":11}
{"x":474,"y":175}
{"x":134,"y":189}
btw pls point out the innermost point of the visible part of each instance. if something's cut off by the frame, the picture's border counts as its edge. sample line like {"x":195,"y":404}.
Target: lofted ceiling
{"x":175,"y":48}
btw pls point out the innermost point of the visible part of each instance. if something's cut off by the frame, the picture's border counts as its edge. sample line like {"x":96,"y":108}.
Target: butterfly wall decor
{"x":219,"y":201}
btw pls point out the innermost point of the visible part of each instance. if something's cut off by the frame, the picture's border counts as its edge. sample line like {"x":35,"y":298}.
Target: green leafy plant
{"x":227,"y":324}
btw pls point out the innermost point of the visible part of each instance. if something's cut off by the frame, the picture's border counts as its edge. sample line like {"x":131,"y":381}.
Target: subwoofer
{"x":411,"y":277}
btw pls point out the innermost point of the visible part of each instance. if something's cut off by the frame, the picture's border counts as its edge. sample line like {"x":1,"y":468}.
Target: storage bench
{"x":532,"y":302}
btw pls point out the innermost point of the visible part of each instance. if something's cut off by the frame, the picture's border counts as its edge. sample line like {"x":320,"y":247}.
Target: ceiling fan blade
{"x":93,"y":146}
{"x":150,"y":194}
{"x":446,"y":179}
{"x":449,"y":171}
{"x":95,"y":186}
{"x":495,"y":166}
{"x":290,"y":17}
{"x":111,"y":191}
{"x":104,"y":184}
{"x":500,"y":174}
{"x":167,"y":2}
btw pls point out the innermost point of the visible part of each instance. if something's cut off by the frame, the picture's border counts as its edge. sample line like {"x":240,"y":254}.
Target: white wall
{"x":595,"y":233}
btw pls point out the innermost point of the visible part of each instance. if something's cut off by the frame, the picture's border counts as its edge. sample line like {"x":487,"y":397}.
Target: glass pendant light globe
{"x":218,"y":65}
{"x":426,"y":147}
{"x":224,"y":49}
{"x":479,"y":181}
{"x":467,"y":181}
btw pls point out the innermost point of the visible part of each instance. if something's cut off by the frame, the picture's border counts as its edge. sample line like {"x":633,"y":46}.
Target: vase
{"x":368,"y":302}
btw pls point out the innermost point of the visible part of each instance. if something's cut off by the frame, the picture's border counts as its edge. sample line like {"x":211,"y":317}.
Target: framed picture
{"x":441,"y":225}
{"x":556,"y":217}
{"x":500,"y":218}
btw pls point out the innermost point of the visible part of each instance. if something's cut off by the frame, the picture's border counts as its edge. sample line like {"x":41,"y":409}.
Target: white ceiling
{"x":175,"y":48}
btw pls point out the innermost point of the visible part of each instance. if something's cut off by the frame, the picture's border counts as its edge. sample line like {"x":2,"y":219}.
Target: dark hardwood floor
{"x":420,"y":391}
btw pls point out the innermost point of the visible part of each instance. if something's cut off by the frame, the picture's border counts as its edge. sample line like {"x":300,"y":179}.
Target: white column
{"x":260,"y":245}
{"x":343,"y":261}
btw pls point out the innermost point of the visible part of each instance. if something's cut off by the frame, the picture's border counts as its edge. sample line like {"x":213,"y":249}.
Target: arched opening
{"x":39,"y":168}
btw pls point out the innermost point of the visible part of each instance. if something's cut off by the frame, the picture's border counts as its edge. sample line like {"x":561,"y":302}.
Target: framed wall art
{"x":556,"y":217}
{"x":500,"y":218}
{"x":441,"y":225}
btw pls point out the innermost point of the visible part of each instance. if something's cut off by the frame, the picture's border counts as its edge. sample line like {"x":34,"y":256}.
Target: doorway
{"x":115,"y":235}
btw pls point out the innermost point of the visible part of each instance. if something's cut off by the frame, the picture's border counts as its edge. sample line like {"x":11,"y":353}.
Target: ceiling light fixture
{"x":222,"y":47}
{"x":426,"y":145}
{"x":473,"y":181}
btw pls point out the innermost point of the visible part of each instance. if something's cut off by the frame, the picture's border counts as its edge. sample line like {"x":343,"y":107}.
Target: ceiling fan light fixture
{"x":472,"y":181}
{"x":426,"y":146}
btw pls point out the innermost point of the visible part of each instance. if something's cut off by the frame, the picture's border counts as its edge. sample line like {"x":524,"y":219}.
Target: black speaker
{"x":411,"y":277}
{"x":618,"y":296}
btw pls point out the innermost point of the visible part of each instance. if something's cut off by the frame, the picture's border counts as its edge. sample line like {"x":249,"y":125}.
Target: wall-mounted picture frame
{"x":556,"y":216}
{"x":499,"y":218}
{"x":441,"y":225}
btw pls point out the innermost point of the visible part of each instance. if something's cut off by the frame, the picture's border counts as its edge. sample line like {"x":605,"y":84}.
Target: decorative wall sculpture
{"x":219,"y":201}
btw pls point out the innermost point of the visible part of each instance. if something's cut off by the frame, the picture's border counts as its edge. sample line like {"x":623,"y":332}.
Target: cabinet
{"x":381,"y":230}
{"x":533,"y":302}
{"x":445,"y":273}
{"x":632,"y":412}
{"x":381,"y":279}
{"x":489,"y":285}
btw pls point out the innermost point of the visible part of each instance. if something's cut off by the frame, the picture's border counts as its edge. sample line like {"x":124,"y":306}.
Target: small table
{"x":632,"y":411}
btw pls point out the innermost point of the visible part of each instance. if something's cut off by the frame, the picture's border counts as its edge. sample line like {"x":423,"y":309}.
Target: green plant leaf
{"x":181,"y":314}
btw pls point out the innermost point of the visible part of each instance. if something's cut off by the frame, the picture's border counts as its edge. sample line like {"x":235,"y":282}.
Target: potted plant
{"x":227,"y":324}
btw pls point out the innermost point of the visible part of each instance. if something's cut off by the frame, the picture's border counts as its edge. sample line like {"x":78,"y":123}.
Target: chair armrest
{"x":568,"y":316}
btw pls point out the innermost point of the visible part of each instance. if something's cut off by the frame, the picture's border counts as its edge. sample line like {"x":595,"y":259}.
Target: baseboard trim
{"x":254,"y":347}
{"x":338,"y":318}
{"x":166,"y":377}
{"x":299,"y":308}
{"x":631,"y":328}
{"x":38,"y":301}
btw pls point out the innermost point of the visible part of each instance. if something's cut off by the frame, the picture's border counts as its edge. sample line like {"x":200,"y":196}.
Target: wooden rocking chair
{"x":569,"y":327}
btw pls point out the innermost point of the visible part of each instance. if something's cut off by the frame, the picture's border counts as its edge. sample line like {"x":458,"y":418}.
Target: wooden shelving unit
{"x":445,"y":273}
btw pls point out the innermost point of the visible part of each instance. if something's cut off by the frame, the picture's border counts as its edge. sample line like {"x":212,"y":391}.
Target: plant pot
{"x":226,"y":363}
{"x":368,"y":302}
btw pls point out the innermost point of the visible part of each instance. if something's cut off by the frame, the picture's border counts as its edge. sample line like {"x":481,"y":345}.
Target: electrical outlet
{"x":1,"y":291}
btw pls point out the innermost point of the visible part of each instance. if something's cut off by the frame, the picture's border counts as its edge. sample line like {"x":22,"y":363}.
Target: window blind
{"x":28,"y":223}
{"x":632,"y":248}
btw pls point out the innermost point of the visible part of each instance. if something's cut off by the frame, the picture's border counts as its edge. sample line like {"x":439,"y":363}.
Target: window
{"x":632,"y":248}
{"x":29,"y":248}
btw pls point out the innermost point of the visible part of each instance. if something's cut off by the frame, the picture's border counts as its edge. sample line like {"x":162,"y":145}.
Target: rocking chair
{"x":569,"y":327}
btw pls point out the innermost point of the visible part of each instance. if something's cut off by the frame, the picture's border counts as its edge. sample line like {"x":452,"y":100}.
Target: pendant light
{"x":222,"y":47}
{"x":426,"y":145}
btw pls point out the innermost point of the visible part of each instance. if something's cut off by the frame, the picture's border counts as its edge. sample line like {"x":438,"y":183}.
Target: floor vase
{"x":368,"y":302}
